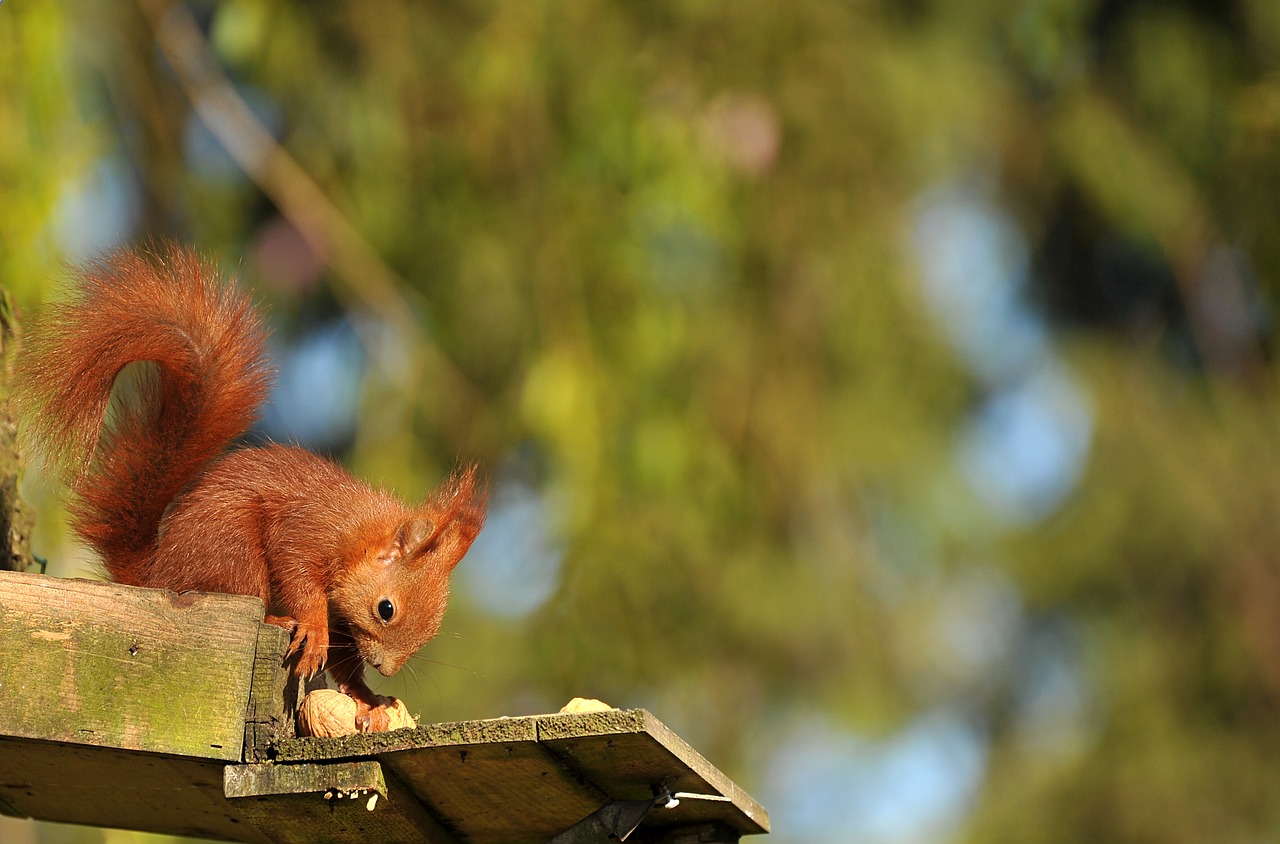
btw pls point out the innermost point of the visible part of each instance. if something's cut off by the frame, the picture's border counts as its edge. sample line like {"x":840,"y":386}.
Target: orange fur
{"x":158,"y":494}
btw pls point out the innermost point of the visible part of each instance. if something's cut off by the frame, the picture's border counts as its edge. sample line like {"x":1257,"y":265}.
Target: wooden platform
{"x":142,"y":709}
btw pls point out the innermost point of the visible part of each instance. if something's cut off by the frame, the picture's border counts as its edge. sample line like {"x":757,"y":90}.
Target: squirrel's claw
{"x":311,"y":641}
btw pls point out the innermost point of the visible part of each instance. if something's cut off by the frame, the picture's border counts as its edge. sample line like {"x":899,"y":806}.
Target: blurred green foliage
{"x":660,"y":257}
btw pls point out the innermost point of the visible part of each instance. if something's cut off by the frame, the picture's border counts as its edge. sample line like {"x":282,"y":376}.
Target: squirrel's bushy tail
{"x":208,"y":379}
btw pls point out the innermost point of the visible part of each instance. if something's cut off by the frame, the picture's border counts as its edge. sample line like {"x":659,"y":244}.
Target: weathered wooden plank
{"x":274,"y":694}
{"x":266,"y":780}
{"x":492,"y":782}
{"x":625,"y":751}
{"x":488,"y":780}
{"x":527,"y":779}
{"x":104,"y":786}
{"x":486,"y":731}
{"x":339,"y":802}
{"x":143,"y":669}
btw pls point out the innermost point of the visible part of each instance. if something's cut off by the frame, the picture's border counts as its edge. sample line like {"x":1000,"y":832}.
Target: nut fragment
{"x":399,"y":715}
{"x":585,"y":704}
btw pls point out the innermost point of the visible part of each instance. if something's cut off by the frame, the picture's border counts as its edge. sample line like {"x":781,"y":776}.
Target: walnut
{"x":326,"y":713}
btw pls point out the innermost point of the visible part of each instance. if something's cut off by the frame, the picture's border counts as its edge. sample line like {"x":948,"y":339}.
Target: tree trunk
{"x":15,"y":517}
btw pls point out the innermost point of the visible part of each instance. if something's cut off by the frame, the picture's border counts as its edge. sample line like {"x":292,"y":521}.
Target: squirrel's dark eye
{"x":385,"y":610}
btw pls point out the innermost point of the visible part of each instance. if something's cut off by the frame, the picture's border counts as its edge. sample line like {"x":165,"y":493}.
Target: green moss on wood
{"x":489,"y":731}
{"x":266,"y":779}
{"x":141,"y":669}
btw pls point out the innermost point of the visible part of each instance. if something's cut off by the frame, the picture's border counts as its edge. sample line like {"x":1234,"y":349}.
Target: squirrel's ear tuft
{"x":470,"y":496}
{"x":457,"y":511}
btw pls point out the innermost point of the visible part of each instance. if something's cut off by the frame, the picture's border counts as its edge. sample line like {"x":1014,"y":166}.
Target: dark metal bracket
{"x":617,"y":819}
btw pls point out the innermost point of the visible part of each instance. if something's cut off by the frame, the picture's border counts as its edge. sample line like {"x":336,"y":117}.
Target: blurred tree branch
{"x":363,"y":277}
{"x":1133,"y":178}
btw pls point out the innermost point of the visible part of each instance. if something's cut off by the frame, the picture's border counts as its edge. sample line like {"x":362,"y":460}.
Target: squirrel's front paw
{"x":311,"y":642}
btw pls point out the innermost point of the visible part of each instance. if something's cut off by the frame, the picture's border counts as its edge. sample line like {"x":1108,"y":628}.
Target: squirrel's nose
{"x":388,"y":665}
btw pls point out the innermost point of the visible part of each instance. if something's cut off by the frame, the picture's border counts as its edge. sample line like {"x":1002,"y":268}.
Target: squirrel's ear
{"x":414,"y":534}
{"x":409,"y":539}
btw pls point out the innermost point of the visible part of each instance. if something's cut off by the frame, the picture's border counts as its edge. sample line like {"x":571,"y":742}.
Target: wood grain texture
{"x":274,"y":694}
{"x":499,"y":786}
{"x":487,"y":780}
{"x":529,"y":778}
{"x":329,"y":802}
{"x":117,"y":666}
{"x":105,"y":786}
{"x":266,"y":780}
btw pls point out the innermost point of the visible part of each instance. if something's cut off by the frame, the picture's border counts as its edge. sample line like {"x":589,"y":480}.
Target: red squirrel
{"x":355,"y":574}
